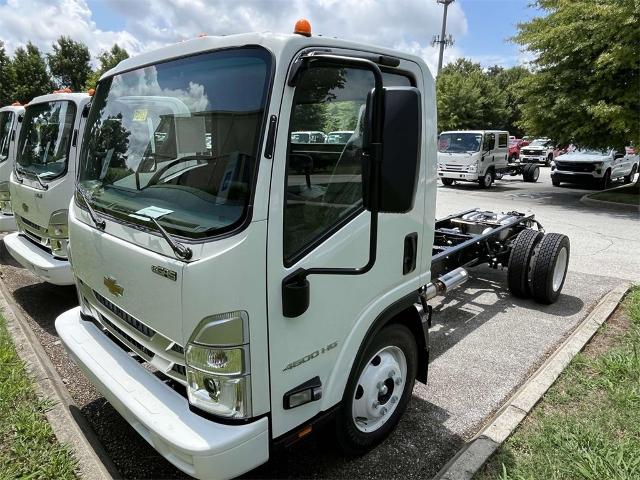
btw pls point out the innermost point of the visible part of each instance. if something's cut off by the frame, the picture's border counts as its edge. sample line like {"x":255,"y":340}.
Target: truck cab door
{"x":316,"y":219}
{"x":489,"y":152}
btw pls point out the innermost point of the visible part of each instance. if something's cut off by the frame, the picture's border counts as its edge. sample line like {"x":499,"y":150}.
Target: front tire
{"x":554,"y":182}
{"x":629,"y":178}
{"x":486,"y":180}
{"x":605,"y":182}
{"x":378,"y":390}
{"x":447,"y":181}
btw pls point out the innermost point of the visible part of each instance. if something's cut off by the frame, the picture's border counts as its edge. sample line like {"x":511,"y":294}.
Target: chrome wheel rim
{"x":379,"y":389}
{"x":560,"y":269}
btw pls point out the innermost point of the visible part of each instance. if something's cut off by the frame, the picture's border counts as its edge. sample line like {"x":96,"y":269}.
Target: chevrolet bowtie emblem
{"x":112,"y":285}
{"x":25,"y":207}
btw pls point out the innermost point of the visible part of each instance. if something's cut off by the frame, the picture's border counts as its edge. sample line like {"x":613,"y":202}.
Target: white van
{"x":10,"y":118}
{"x":43,"y":181}
{"x":478,"y":156}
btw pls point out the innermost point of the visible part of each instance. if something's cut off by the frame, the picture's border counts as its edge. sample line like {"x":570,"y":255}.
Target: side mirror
{"x":399,"y":153}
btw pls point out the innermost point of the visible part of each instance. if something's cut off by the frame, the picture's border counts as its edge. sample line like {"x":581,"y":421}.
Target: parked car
{"x":541,"y":150}
{"x":308,"y":137}
{"x":515,"y":145}
{"x":341,"y":136}
{"x":584,"y":165}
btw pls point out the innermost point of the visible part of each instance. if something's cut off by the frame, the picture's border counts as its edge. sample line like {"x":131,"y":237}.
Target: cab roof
{"x":276,"y":43}
{"x":12,"y":108}
{"x":78,"y":98}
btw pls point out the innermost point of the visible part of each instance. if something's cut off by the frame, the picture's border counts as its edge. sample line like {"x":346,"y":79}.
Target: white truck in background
{"x":594,"y":166}
{"x":540,"y":150}
{"x":230,"y":304}
{"x":480,"y":156}
{"x":43,"y":182}
{"x":10,"y":121}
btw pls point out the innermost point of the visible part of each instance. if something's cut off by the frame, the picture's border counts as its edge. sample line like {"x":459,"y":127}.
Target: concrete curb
{"x":68,"y":424}
{"x":604,"y":203}
{"x":475,"y":453}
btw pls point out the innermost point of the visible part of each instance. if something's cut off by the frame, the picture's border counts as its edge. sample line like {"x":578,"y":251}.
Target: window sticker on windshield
{"x":140,"y":115}
{"x":153,"y":212}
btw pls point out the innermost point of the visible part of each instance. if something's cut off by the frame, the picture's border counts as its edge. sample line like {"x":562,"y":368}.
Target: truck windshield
{"x":45,"y":138}
{"x":6,"y":121}
{"x":178,"y":141}
{"x":459,"y":142}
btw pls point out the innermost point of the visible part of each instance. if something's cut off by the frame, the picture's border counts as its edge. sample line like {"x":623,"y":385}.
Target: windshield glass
{"x":459,"y":142}
{"x":539,"y":143}
{"x":6,"y":122}
{"x":339,"y":137}
{"x":178,"y":141}
{"x":45,"y":138}
{"x":590,"y":151}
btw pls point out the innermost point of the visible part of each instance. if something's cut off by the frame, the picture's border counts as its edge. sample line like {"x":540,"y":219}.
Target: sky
{"x":480,"y":28}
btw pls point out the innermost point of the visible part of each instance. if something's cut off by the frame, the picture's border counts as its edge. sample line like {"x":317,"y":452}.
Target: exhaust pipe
{"x":445,"y":283}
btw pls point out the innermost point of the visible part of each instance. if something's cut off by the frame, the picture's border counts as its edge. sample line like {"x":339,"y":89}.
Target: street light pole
{"x":443,"y":40}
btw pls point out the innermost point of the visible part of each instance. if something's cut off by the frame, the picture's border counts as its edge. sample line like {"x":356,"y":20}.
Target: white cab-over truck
{"x":592,"y":166}
{"x":478,"y":156}
{"x":264,"y":301}
{"x":10,"y":122}
{"x":43,"y":182}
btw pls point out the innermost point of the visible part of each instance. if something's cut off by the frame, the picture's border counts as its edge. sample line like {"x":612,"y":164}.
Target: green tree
{"x":107,"y":59}
{"x":7,"y":78}
{"x":468,"y":98}
{"x":30,"y":70}
{"x":507,"y":80}
{"x":69,"y":63}
{"x":586,"y":87}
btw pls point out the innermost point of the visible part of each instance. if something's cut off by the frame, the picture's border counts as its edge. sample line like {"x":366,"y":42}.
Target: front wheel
{"x":447,"y":181}
{"x":605,"y":182}
{"x":555,"y":182}
{"x":487,"y":180}
{"x":378,"y":391}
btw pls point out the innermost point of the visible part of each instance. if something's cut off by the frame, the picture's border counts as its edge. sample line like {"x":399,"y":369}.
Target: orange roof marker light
{"x":303,"y":27}
{"x":91,"y":92}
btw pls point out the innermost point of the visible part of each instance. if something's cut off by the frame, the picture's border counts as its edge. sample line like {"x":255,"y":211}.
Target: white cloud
{"x":403,"y":24}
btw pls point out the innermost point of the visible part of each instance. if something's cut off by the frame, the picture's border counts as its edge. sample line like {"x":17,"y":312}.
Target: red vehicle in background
{"x":515,"y":144}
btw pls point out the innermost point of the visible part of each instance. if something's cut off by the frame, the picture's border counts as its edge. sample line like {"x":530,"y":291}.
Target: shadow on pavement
{"x":43,"y":302}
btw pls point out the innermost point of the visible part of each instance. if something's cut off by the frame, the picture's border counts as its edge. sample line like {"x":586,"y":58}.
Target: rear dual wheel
{"x":538,"y":265}
{"x":531,"y":173}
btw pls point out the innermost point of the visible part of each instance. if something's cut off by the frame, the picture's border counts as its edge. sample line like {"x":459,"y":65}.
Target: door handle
{"x":410,"y":253}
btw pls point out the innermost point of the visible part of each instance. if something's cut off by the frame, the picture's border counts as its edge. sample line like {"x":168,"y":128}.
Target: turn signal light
{"x":303,"y":27}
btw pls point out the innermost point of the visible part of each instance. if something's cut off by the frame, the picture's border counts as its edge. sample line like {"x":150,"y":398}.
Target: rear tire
{"x":549,"y":267}
{"x":519,"y":260}
{"x":554,"y":182}
{"x":372,"y":383}
{"x":547,"y":162}
{"x":629,"y":178}
{"x":486,"y":180}
{"x":531,"y":173}
{"x":447,"y":181}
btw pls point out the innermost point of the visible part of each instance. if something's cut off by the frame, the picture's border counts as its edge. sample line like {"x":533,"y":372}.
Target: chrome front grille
{"x":33,"y":232}
{"x":453,"y":167}
{"x":160,"y":352}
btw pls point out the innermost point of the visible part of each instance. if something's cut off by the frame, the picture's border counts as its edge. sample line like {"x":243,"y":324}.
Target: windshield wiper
{"x":42,"y":184}
{"x":98,"y":222}
{"x":179,"y":249}
{"x":19,"y":173}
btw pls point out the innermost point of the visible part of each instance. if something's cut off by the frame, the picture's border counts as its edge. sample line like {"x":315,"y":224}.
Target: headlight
{"x":218,"y":373}
{"x":598,"y":167}
{"x":553,"y":165}
{"x":5,"y":199}
{"x":58,"y":232}
{"x":59,"y":225}
{"x":472,"y":168}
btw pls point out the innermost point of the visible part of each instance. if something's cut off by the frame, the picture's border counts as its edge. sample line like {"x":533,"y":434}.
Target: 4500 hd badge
{"x":311,"y":356}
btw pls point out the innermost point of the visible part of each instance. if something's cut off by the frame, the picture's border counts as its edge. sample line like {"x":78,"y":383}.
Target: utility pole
{"x":443,"y":39}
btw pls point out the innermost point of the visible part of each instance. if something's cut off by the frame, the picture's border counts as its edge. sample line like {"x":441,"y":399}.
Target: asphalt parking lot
{"x":484,"y":342}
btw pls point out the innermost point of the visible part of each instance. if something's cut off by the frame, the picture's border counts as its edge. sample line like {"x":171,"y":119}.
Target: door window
{"x":323,"y":183}
{"x":503,"y":139}
{"x":489,"y":141}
